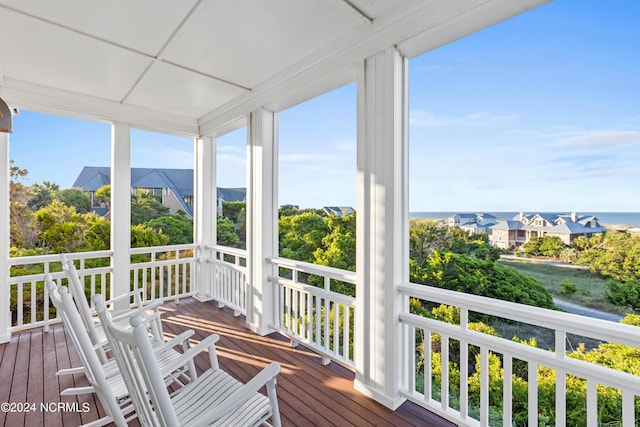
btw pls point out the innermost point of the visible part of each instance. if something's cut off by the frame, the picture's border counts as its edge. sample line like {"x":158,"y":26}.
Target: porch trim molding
{"x":262,"y":218}
{"x":205,"y":215}
{"x":382,"y":225}
{"x":120,"y":211}
{"x":5,"y":213}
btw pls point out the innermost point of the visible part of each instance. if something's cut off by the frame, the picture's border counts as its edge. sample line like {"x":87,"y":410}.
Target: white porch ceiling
{"x":181,"y":65}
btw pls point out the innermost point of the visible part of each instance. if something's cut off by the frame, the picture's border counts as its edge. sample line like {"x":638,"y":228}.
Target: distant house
{"x":512,"y":233}
{"x":174,"y":187}
{"x":472,"y":223}
{"x":338,"y":210}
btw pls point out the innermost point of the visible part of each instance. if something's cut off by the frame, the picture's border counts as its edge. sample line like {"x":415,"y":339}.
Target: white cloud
{"x":423,"y":118}
{"x":600,"y":139}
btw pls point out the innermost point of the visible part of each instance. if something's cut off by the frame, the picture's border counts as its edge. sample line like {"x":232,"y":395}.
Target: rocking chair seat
{"x":209,"y":391}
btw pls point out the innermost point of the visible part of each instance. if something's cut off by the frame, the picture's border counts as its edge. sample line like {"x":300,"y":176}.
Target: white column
{"x":5,"y":315}
{"x":204,"y":213}
{"x":120,"y":210}
{"x":262,"y":217}
{"x":382,"y":225}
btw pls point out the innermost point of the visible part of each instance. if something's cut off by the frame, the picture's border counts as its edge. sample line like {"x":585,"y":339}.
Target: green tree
{"x":617,"y":256}
{"x":290,"y":210}
{"x":62,"y":229}
{"x":338,"y":248}
{"x":237,"y":213}
{"x":143,"y":236}
{"x":98,"y":233}
{"x":75,"y":197}
{"x":471,"y":275}
{"x":225,"y":231}
{"x":43,"y":194}
{"x":145,"y":207}
{"x":552,"y":246}
{"x":23,"y":226}
{"x":103,"y":195}
{"x":301,"y":235}
{"x":177,"y":228}
{"x":425,"y":236}
{"x":532,"y":246}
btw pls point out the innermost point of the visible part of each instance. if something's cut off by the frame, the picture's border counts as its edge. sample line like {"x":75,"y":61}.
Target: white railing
{"x":313,"y":314}
{"x":229,"y":277}
{"x":166,"y":272}
{"x":439,"y":388}
{"x":30,"y":305}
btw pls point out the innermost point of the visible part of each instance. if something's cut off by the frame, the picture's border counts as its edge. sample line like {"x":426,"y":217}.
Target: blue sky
{"x":538,"y":113}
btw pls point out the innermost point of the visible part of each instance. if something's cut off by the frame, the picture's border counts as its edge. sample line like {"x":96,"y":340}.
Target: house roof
{"x":508,"y":225}
{"x":338,"y":210}
{"x":180,"y":181}
{"x":192,"y":67}
{"x":560,"y":223}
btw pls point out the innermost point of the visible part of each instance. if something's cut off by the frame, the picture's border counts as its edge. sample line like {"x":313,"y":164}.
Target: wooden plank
{"x":18,"y":393}
{"x":51,"y":392}
{"x":7,"y":368}
{"x":63,"y":348}
{"x":35,"y":381}
{"x":309,"y":393}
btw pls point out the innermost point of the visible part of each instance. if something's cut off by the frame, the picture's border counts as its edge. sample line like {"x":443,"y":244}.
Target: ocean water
{"x":605,"y":218}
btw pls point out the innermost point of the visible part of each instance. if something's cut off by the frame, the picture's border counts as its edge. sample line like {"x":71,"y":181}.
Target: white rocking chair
{"x":105,"y":378}
{"x":215,"y":398}
{"x":94,"y":329}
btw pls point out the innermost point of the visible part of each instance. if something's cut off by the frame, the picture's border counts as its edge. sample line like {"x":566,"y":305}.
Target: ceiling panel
{"x":248,"y":41}
{"x":142,"y":25}
{"x":171,"y":89}
{"x":35,"y":51}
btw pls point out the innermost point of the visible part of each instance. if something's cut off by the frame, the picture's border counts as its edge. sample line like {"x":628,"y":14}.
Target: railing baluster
{"x":507,"y":390}
{"x":592,"y":403}
{"x":464,"y":379}
{"x":20,"y":304}
{"x":428,"y":368}
{"x":628,"y":408}
{"x":484,"y":385}
{"x":444,"y":374}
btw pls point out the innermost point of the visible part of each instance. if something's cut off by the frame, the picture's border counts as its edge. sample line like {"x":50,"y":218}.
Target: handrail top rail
{"x":314,"y":290}
{"x":551,"y":319}
{"x":36,"y":259}
{"x":228,"y":250}
{"x":166,"y":248}
{"x":315,"y":269}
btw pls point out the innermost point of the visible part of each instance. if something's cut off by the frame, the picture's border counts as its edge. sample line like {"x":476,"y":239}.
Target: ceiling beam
{"x":28,"y":96}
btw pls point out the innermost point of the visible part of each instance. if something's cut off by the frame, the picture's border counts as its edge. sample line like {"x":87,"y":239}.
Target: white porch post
{"x":5,"y":315}
{"x":204,"y":213}
{"x":262,"y":217}
{"x":120,"y":210}
{"x":382,"y":224}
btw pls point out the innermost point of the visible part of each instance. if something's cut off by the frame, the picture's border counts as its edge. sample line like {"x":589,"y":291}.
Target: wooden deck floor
{"x":309,"y":393}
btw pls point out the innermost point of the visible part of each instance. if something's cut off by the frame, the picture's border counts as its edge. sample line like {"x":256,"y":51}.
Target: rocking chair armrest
{"x":240,"y":396}
{"x":183,"y":339}
{"x":207,"y":343}
{"x":137,"y":294}
{"x":153,"y":305}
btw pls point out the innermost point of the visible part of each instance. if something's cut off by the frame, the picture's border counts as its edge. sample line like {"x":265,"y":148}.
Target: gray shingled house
{"x":173,"y":186}
{"x":522,"y":227}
